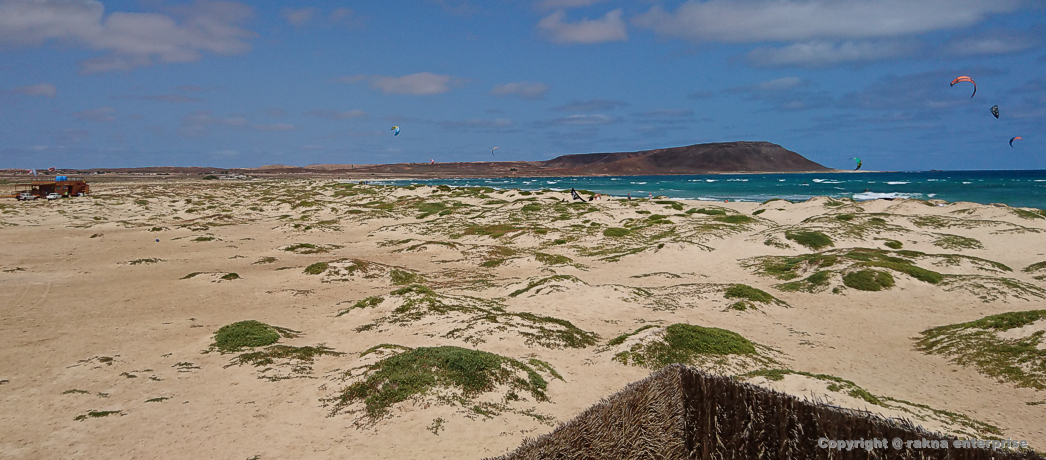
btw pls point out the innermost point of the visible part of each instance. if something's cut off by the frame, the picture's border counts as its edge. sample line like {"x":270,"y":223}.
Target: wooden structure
{"x":65,"y":188}
{"x":682,"y":413}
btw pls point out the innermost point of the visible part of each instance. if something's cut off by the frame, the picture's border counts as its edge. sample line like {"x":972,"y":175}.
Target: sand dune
{"x":111,"y":303}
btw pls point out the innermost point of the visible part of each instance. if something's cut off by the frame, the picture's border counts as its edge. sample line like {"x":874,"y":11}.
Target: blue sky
{"x":88,"y":84}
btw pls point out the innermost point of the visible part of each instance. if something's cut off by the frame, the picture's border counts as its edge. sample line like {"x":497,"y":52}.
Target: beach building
{"x":61,"y":185}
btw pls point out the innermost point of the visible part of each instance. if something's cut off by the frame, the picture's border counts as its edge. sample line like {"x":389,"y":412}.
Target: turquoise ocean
{"x":1012,"y":187}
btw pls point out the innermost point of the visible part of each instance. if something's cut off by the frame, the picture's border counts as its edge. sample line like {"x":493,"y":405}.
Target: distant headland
{"x":720,"y":157}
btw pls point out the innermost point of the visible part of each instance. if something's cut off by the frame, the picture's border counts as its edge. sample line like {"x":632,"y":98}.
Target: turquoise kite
{"x":858,"y":163}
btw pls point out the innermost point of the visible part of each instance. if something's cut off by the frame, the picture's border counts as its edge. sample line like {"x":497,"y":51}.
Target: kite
{"x":965,"y":78}
{"x":858,"y":163}
{"x":995,"y":111}
{"x":1011,"y":140}
{"x":395,"y":130}
{"x":31,"y":171}
{"x":492,"y":151}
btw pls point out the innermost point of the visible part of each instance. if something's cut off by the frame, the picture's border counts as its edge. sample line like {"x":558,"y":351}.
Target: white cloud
{"x":200,"y":122}
{"x":206,"y":117}
{"x":557,"y":4}
{"x":609,"y":28}
{"x":784,"y":94}
{"x":336,"y":115}
{"x":591,"y":105}
{"x":666,"y":113}
{"x":39,"y":89}
{"x":700,"y":94}
{"x":99,"y":115}
{"x":996,"y":42}
{"x":298,"y":17}
{"x":129,"y":39}
{"x":478,"y":124}
{"x":586,"y":120}
{"x":747,"y":21}
{"x":779,"y":84}
{"x":173,"y":98}
{"x":70,"y":136}
{"x":822,"y":53}
{"x":419,"y":84}
{"x":521,"y":89}
{"x":344,"y":16}
{"x":276,"y":127}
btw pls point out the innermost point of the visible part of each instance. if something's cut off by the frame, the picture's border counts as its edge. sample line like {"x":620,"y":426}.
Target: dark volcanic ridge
{"x":721,"y":157}
{"x":692,"y":159}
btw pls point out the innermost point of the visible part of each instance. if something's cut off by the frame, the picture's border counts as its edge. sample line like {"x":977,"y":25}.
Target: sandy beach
{"x":110,"y":304}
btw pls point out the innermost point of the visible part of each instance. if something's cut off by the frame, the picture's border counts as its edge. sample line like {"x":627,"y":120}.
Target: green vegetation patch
{"x":707,"y":211}
{"x":428,"y":209}
{"x":265,"y":260}
{"x":835,"y":384}
{"x":316,"y":269}
{"x":309,"y":248}
{"x":230,"y":276}
{"x":921,"y":274}
{"x":816,"y":282}
{"x":1036,"y":268}
{"x":671,"y":204}
{"x":475,"y":319}
{"x":248,"y":334}
{"x":621,"y":338}
{"x":299,"y":359}
{"x":952,"y":242}
{"x":736,"y":219}
{"x":97,"y":414}
{"x":685,"y":343}
{"x":990,"y":288}
{"x":893,"y":244}
{"x":745,"y":292}
{"x":812,"y":239}
{"x":492,"y":263}
{"x":747,"y":296}
{"x":868,"y":280}
{"x":544,"y":281}
{"x":414,"y":373}
{"x":552,"y":259}
{"x":788,"y":268}
{"x":988,"y":346}
{"x":1029,"y":213}
{"x":493,"y":230}
{"x":369,"y":302}
{"x":615,"y":231}
{"x":404,"y":277}
{"x":144,"y":261}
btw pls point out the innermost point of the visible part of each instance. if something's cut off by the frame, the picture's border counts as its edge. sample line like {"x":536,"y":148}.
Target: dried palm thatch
{"x":680,"y":412}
